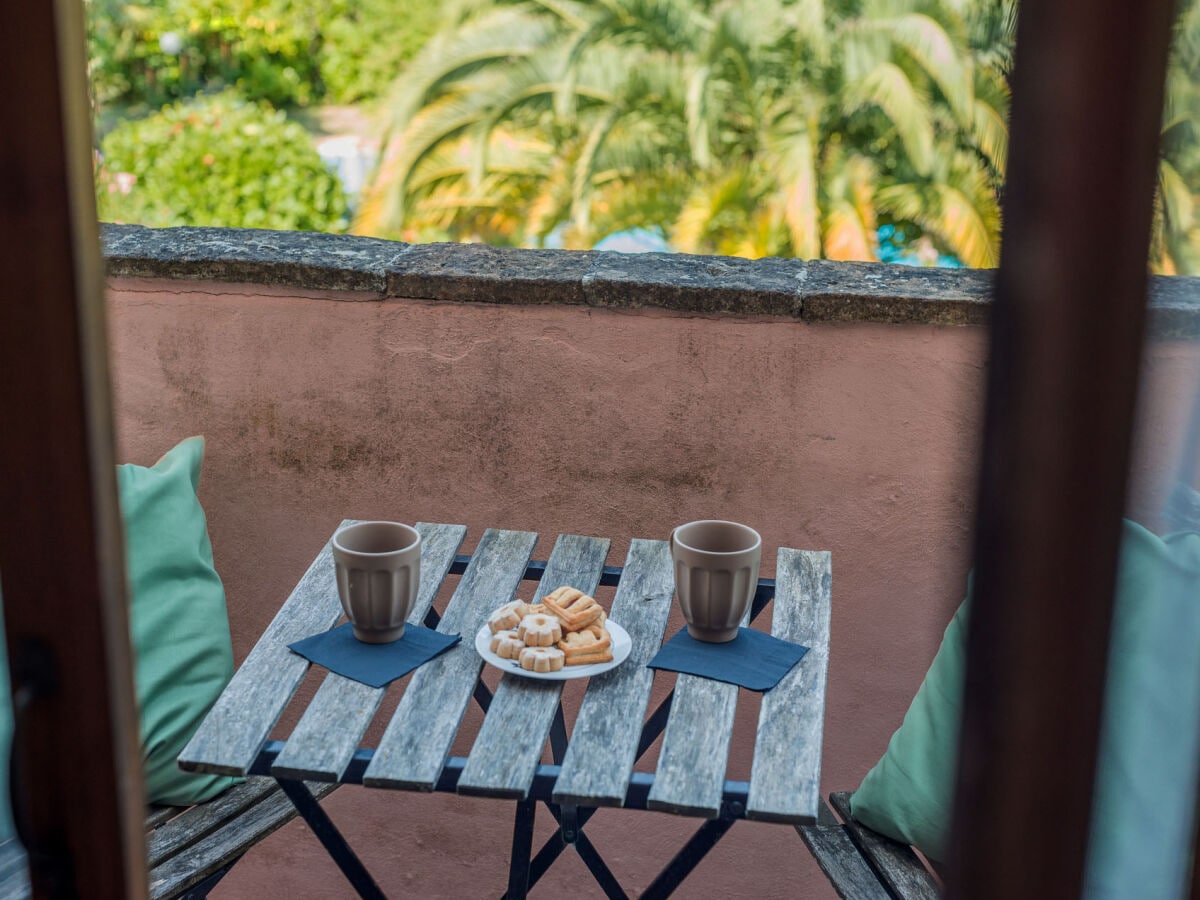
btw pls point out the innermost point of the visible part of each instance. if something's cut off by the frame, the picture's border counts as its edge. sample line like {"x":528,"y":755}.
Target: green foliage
{"x":266,"y":48}
{"x":751,"y":127}
{"x":366,"y":43}
{"x":218,"y":160}
{"x":287,"y":52}
{"x":1175,"y":235}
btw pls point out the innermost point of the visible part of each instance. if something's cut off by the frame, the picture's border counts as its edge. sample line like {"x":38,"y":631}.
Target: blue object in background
{"x":636,"y":240}
{"x":896,"y":248}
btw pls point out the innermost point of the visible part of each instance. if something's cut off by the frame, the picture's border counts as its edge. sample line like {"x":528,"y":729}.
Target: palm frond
{"x":967,"y":229}
{"x":585,"y":170}
{"x":889,"y":88}
{"x":807,"y":18}
{"x":574,"y":15}
{"x":696,"y":225}
{"x":697,"y":116}
{"x":989,"y":132}
{"x":927,"y":42}
{"x":846,"y":236}
{"x":961,"y":212}
{"x":794,"y":167}
{"x":1178,"y":204}
{"x":501,"y":35}
{"x":676,"y":26}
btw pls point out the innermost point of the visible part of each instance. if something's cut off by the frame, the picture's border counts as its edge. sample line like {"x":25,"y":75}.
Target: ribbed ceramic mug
{"x":378,"y":566}
{"x":716,"y":573}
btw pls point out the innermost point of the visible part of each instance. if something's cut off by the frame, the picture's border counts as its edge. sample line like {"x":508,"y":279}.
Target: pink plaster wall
{"x":856,"y":438}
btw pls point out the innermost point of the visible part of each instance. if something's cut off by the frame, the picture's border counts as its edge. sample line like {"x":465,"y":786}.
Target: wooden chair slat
{"x":157,"y":815}
{"x":225,"y":846}
{"x":14,"y":871}
{"x":896,"y":864}
{"x":197,"y":822}
{"x":841,"y":862}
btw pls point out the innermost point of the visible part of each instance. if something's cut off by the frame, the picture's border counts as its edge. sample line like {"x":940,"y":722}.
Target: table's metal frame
{"x":525,"y":869}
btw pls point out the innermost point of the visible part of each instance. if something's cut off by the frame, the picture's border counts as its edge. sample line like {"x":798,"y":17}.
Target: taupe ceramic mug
{"x":716,"y":573}
{"x":378,"y":566}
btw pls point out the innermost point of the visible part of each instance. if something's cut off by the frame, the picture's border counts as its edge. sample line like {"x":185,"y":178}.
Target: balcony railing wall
{"x":832,"y":406}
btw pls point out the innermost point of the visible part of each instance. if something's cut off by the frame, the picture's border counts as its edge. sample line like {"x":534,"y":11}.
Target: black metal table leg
{"x":599,"y":868}
{"x":558,"y":736}
{"x":483,"y":696}
{"x":545,"y":858}
{"x":522,"y":849}
{"x":688,"y":857}
{"x":331,"y":839}
{"x":568,"y":823}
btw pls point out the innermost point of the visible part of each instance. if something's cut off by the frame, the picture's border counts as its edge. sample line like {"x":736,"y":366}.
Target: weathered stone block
{"x":482,"y":274}
{"x":301,"y":259}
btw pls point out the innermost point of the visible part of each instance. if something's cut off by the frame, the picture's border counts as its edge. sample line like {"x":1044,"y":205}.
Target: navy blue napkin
{"x":753,"y":659}
{"x":375,"y":664}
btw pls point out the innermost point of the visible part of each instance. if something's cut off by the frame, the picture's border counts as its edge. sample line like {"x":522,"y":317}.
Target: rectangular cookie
{"x":574,"y":609}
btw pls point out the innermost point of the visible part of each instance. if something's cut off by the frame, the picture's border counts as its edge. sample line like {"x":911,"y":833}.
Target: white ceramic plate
{"x":622,"y":644}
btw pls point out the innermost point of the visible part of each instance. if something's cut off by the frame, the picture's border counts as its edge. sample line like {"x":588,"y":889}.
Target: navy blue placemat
{"x":751,"y":660}
{"x":375,"y":664}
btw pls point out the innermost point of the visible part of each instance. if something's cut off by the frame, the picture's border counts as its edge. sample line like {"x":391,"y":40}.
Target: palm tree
{"x":754,"y":127}
{"x":1175,"y":233}
{"x":887,"y":135}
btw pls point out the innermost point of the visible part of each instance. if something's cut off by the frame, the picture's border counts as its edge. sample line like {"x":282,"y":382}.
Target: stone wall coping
{"x":809,"y":290}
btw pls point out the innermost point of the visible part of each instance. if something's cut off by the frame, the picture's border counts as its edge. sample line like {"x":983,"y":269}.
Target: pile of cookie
{"x":565,"y":628}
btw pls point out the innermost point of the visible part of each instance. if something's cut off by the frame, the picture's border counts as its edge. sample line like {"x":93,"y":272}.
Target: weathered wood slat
{"x":198,"y":822}
{"x":695,"y":751}
{"x":896,"y":864}
{"x":510,"y":742}
{"x":841,"y":862}
{"x":201,"y":859}
{"x":785,"y":778}
{"x":601,"y":755}
{"x":230,"y":736}
{"x":418,"y":738}
{"x":159,"y":814}
{"x":324,"y":741}
{"x":14,"y":871}
{"x":194,"y":843}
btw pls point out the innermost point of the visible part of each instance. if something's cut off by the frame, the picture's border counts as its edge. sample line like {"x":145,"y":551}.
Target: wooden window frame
{"x":77,"y":756}
{"x":1065,"y":347}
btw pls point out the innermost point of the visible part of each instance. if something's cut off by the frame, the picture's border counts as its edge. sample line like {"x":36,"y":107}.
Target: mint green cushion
{"x":178,"y":622}
{"x":1140,"y":826}
{"x":1141,"y":837}
{"x":909,"y":793}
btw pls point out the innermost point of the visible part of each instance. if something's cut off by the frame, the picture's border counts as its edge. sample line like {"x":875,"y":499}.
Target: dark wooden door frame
{"x":78,"y":792}
{"x":1066,"y":341}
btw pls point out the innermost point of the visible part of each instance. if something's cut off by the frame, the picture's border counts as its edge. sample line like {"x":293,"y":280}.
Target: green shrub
{"x":288,"y":52}
{"x":152,"y":54}
{"x":218,"y":160}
